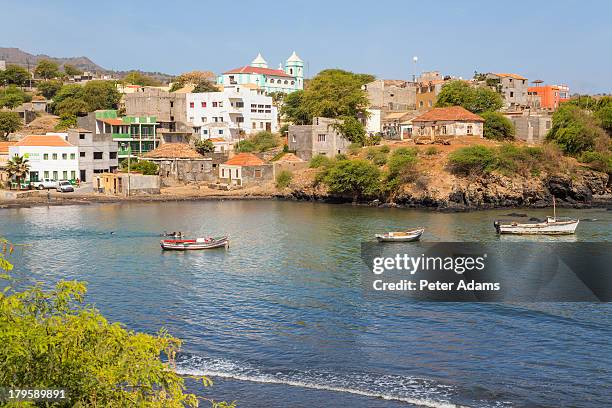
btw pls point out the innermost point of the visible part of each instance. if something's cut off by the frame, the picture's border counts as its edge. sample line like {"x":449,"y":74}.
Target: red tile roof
{"x":52,"y":141}
{"x":452,"y":113}
{"x":245,"y":159}
{"x":4,"y":146}
{"x":111,"y":121}
{"x":247,"y":69}
{"x":173,"y":151}
{"x":217,"y":139}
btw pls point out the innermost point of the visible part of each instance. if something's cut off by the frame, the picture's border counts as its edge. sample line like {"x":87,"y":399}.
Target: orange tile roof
{"x":245,"y":159}
{"x":514,"y":76}
{"x":453,"y":113}
{"x":4,"y":146}
{"x":247,"y":69}
{"x":111,"y":121}
{"x":217,"y":139}
{"x":47,"y":140}
{"x":173,"y":151}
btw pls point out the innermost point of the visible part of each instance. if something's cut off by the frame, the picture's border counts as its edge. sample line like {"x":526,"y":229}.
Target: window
{"x":258,"y":173}
{"x":191,"y":105}
{"x":469,"y":129}
{"x":254,"y":125}
{"x":222,"y":173}
{"x":205,"y":132}
{"x":97,"y":155}
{"x":239,"y":119}
{"x":203,"y":104}
{"x":72,"y":156}
{"x":55,"y":175}
{"x":420,"y":104}
{"x":46,"y":156}
{"x":444,"y":130}
{"x":321,"y":138}
{"x":204,"y":119}
{"x":291,"y":71}
{"x":511,"y":94}
{"x":54,"y":156}
{"x":112,"y":155}
{"x":82,"y":136}
{"x":293,"y":139}
{"x":261,"y":125}
{"x":171,"y":105}
{"x":220,"y":118}
{"x":271,"y":81}
{"x":81,"y":154}
{"x":236,"y":172}
{"x":220,"y":131}
{"x":221,"y":104}
{"x":214,"y":104}
{"x":73,"y":175}
{"x":64,"y":156}
{"x":171,"y":118}
{"x":286,"y":82}
{"x":65,"y":175}
{"x":430,"y":103}
{"x":292,"y":82}
{"x":46,"y":174}
{"x":548,"y":124}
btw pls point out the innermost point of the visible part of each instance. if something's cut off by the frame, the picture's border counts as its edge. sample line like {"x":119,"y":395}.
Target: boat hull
{"x":408,"y":236}
{"x":193,"y":244}
{"x":544,"y":228}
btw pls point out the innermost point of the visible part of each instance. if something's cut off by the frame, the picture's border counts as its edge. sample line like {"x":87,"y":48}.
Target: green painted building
{"x":135,"y":133}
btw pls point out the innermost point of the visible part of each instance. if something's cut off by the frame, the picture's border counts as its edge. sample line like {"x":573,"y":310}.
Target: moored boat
{"x":401,"y":236}
{"x":192,"y":244}
{"x":552,"y":226}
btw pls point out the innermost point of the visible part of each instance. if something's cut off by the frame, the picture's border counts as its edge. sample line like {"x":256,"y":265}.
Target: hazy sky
{"x":557,"y":41}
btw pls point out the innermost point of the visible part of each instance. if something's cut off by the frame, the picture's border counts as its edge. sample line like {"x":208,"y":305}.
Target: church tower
{"x":259,"y":62}
{"x":295,"y":67}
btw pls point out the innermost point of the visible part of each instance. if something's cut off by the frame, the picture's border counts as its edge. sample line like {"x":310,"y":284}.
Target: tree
{"x":474,"y":99}
{"x":604,"y":115}
{"x":497,"y":126}
{"x":351,"y":129}
{"x":53,"y":340}
{"x":283,"y":179}
{"x":358,"y":178}
{"x":11,"y":100}
{"x":260,"y":142}
{"x":204,"y":146}
{"x":294,"y":110}
{"x":47,"y":69}
{"x":193,"y":77}
{"x":138,"y":78}
{"x":78,"y":100}
{"x":66,"y":121}
{"x":9,"y":122}
{"x":576,"y":131}
{"x":48,"y":89}
{"x":205,"y":86}
{"x":148,"y":168}
{"x":15,"y":75}
{"x":71,"y":70}
{"x":18,"y":167}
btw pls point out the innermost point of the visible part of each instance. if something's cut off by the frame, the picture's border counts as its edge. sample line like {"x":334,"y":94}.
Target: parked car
{"x":64,"y":187}
{"x":44,"y":184}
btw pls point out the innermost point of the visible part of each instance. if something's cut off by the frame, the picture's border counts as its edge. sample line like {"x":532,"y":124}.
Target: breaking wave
{"x":411,"y":390}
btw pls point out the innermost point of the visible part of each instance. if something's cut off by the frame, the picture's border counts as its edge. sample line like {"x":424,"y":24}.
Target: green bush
{"x":377,"y":155}
{"x":358,"y":178}
{"x":472,"y":159}
{"x":319,"y":161}
{"x":204,"y":146}
{"x":148,"y":168}
{"x":384,"y":149}
{"x":599,"y":161}
{"x":260,"y":142}
{"x":245,"y":146}
{"x":354,"y":149}
{"x":283,"y":179}
{"x":576,"y":130}
{"x":401,"y":168}
{"x":431,"y":150}
{"x":497,"y":126}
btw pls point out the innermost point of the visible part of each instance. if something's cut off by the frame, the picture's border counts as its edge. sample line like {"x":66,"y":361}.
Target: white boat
{"x":193,"y":244}
{"x":401,"y":236}
{"x":552,"y":226}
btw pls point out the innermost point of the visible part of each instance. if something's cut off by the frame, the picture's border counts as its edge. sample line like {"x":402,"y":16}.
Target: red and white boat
{"x":192,"y":244}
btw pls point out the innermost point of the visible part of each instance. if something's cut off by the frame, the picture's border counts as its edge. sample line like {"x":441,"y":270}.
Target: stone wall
{"x":185,"y":171}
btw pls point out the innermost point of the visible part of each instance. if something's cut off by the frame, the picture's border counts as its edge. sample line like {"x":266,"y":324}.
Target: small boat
{"x":552,"y":226}
{"x":401,"y":236}
{"x":192,"y":244}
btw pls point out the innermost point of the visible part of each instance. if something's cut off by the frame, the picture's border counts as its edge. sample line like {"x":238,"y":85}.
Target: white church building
{"x":284,"y":79}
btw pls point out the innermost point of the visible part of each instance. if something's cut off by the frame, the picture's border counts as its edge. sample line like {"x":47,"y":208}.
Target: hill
{"x":18,"y":57}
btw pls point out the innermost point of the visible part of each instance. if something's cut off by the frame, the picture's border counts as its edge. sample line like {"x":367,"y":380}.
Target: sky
{"x":560,"y":42}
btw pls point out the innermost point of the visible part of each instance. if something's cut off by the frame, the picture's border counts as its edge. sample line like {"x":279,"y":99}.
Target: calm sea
{"x":279,"y":319}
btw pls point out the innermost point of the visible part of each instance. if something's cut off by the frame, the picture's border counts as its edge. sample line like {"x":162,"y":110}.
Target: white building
{"x":49,"y":157}
{"x":224,"y":114}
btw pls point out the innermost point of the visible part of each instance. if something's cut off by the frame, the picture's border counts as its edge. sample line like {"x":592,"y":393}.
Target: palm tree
{"x":18,"y":167}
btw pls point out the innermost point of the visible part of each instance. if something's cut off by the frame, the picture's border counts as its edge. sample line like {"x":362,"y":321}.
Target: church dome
{"x":294,"y":58}
{"x":259,"y":62}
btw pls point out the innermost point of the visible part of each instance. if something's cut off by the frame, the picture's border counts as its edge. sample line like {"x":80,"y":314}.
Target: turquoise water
{"x":280,"y":320}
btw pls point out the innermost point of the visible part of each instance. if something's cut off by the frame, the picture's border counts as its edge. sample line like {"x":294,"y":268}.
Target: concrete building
{"x":447,"y":122}
{"x":373,"y":122}
{"x":50,"y":157}
{"x":97,"y":153}
{"x":285,"y":79}
{"x":246,"y":169}
{"x":169,"y":108}
{"x":427,"y":91}
{"x":390,"y":95}
{"x":319,"y":138}
{"x":550,"y":96}
{"x":393,"y":124}
{"x":531,"y":128}
{"x":512,"y":87}
{"x":228,"y":113}
{"x":134,"y":135}
{"x":125,"y":184}
{"x":179,"y":163}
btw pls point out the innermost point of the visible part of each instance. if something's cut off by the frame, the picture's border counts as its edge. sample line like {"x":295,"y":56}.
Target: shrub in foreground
{"x":283,"y":179}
